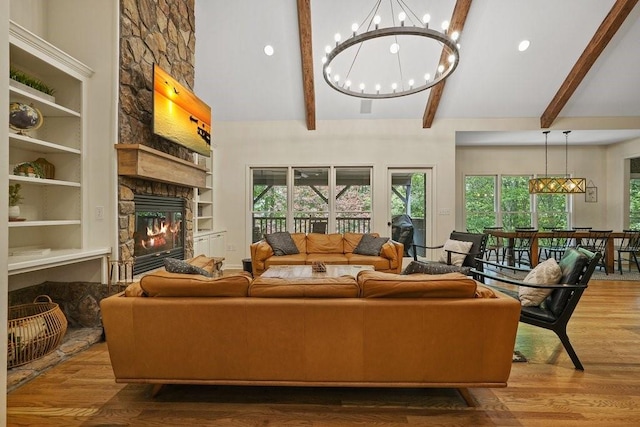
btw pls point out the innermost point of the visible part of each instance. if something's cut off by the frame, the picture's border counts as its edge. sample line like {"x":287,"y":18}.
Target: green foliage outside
{"x":417,"y":198}
{"x":634,"y":204}
{"x":515,"y":204}
{"x":480,"y":202}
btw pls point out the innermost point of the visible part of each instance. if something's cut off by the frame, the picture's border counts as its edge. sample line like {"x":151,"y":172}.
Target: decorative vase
{"x":14,"y":211}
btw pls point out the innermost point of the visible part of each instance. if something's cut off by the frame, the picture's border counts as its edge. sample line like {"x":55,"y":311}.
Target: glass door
{"x":410,"y":207}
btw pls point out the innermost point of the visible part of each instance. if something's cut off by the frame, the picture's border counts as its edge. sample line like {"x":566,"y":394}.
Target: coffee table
{"x":305,"y":271}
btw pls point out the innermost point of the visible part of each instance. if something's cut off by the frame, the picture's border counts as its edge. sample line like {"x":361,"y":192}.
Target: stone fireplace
{"x":151,"y":32}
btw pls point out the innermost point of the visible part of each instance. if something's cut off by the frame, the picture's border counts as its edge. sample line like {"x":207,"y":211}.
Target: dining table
{"x":510,"y":236}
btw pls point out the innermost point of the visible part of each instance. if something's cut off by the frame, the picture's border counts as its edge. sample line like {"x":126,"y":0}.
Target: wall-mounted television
{"x":179,"y":115}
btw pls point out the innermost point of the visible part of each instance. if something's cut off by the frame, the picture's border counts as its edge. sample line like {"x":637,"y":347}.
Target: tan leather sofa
{"x":328,"y":248}
{"x":381,"y":329}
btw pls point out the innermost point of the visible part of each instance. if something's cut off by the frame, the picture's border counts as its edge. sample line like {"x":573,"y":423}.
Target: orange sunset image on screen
{"x":179,"y":115}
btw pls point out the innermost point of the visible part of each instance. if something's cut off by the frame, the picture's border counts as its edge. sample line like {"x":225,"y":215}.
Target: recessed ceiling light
{"x":524,"y":45}
{"x":268,"y":50}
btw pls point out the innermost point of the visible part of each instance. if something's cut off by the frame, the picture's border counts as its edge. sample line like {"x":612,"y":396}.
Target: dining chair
{"x":555,"y":245}
{"x":494,"y":244}
{"x":630,"y":244}
{"x":596,"y":241}
{"x":522,"y":242}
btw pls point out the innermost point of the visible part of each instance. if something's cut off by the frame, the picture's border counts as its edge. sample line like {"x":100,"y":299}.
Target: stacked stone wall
{"x":161,"y":32}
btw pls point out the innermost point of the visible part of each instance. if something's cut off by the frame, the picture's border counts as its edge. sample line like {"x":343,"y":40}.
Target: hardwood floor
{"x":605,"y":331}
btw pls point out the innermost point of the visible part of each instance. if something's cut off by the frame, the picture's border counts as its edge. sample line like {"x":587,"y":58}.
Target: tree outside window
{"x":480,"y":202}
{"x":515,"y":201}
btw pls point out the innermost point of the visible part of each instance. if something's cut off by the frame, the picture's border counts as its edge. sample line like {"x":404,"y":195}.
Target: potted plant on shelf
{"x":30,"y":84}
{"x":29,"y":169}
{"x":14,"y":199}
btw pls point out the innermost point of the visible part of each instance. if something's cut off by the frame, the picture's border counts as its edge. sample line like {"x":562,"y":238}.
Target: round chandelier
{"x":404,"y":73}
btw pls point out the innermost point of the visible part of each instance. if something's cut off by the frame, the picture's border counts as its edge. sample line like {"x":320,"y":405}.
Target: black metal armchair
{"x":577,"y":266}
{"x":479,"y":242}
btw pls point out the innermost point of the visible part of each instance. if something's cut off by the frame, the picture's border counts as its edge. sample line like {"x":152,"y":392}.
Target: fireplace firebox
{"x":159,"y":231}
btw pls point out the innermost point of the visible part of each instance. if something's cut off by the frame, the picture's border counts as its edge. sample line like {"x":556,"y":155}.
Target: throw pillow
{"x":456,"y":246}
{"x":282,"y":243}
{"x":545,"y":273}
{"x":370,"y":245}
{"x":173,"y":265}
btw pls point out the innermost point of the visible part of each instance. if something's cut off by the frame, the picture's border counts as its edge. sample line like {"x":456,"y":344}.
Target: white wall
{"x":30,"y":14}
{"x":617,"y":181}
{"x":4,"y":203}
{"x":381,"y":144}
{"x":97,"y":21}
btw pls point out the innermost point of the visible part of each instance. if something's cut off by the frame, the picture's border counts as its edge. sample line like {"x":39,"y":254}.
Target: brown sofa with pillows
{"x":285,"y":248}
{"x":377,"y":329}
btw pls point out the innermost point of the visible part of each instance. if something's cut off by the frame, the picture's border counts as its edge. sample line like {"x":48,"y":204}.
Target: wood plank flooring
{"x":605,"y":331}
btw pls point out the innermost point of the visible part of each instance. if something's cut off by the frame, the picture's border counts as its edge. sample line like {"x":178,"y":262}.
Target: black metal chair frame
{"x":564,"y":297}
{"x":470,"y":259}
{"x":555,"y":245}
{"x":494,"y":244}
{"x":597,"y":242}
{"x":522,"y":245}
{"x":630,"y":244}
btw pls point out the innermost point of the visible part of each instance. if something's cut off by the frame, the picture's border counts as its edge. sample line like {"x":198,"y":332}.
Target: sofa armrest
{"x":393,"y":251}
{"x":260,"y":252}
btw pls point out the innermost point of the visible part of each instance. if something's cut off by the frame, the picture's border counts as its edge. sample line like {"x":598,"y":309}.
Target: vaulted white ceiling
{"x":493,"y":80}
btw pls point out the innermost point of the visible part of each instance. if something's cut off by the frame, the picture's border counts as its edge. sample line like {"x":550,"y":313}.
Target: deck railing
{"x":272,"y":224}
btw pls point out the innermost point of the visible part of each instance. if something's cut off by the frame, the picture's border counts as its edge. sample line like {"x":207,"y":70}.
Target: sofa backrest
{"x":300,"y":239}
{"x":325,"y":243}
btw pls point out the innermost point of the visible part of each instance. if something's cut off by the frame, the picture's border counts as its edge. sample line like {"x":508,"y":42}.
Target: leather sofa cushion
{"x":376,"y":284}
{"x":165,"y":284}
{"x":325,"y":243}
{"x":328,"y":258}
{"x":378,"y":262}
{"x":300,"y":239}
{"x":297,"y":259}
{"x":326,"y":287}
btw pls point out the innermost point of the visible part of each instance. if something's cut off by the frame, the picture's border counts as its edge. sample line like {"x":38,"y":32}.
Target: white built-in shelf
{"x":43,"y":181}
{"x":28,"y":143}
{"x":55,"y":258}
{"x":45,"y":223}
{"x":202,"y":218}
{"x":45,"y":106}
{"x":55,"y":209}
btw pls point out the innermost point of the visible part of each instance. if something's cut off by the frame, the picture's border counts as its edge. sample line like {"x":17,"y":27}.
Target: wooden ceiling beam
{"x":458,"y":18}
{"x":306,"y":54}
{"x":607,"y":29}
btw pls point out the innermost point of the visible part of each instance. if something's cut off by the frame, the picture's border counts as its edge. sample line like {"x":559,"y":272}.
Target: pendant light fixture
{"x":557,"y":185}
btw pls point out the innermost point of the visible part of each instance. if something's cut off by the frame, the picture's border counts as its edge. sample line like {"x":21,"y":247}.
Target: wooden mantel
{"x":140,"y":161}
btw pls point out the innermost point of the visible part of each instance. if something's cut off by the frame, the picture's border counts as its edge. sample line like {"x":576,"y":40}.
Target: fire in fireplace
{"x":159,"y":231}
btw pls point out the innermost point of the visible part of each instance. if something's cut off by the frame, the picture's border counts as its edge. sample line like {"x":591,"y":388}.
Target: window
{"x":482,"y":194}
{"x":310,"y":200}
{"x":634,"y":203}
{"x":515,"y":202}
{"x":316,"y":204}
{"x":480,"y":202}
{"x":353,"y":200}
{"x":552,"y":211}
{"x":269,"y":201}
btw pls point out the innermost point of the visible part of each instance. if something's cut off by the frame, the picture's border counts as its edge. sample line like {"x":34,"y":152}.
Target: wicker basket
{"x":34,"y":330}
